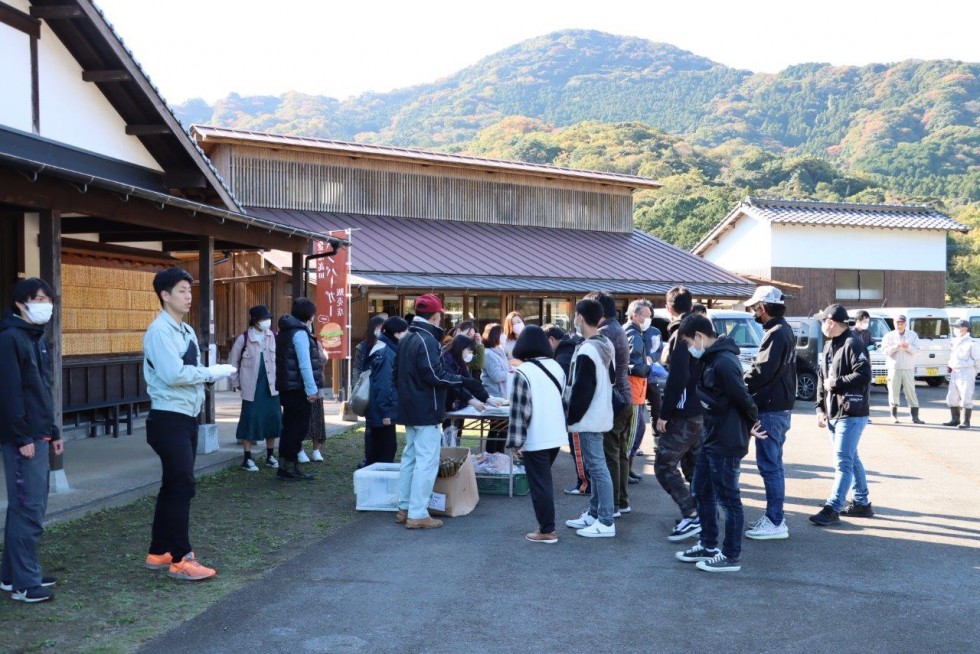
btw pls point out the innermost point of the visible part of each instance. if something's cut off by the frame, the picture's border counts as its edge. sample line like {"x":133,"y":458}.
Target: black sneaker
{"x":855,"y":510}
{"x":635,"y":479}
{"x":696,"y":553}
{"x":686,"y":528}
{"x":291,"y":472}
{"x":827,"y":516}
{"x":45,"y":582}
{"x":33,"y":595}
{"x":720,"y":563}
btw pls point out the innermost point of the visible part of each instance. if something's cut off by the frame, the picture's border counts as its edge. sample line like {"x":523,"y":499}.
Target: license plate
{"x":881,"y":380}
{"x":932,"y":372}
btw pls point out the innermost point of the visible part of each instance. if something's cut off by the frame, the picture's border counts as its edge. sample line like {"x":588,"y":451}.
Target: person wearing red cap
{"x":422,"y":381}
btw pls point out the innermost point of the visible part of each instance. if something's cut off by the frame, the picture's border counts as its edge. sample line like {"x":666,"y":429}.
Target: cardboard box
{"x":376,"y":487}
{"x":457,"y":495}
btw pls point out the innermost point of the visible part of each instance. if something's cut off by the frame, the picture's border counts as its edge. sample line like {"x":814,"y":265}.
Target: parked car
{"x":809,"y":344}
{"x":742,"y":328}
{"x":932,"y":327}
{"x":806,"y":380}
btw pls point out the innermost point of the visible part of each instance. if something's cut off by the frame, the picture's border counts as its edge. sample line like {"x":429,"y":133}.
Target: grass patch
{"x":242,"y":524}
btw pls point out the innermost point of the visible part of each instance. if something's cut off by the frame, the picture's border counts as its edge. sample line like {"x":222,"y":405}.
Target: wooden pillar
{"x":299,"y":286}
{"x":206,"y":313}
{"x":49,"y":243}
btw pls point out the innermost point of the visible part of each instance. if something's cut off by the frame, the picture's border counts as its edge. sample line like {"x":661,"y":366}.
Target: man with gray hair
{"x":900,"y":346}
{"x":639,"y":318}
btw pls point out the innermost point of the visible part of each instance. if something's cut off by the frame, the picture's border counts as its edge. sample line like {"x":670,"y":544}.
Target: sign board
{"x":333,"y":319}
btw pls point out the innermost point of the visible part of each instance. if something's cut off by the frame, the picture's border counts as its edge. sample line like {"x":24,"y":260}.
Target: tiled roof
{"x":206,"y":133}
{"x":411,"y":252}
{"x":839,"y":214}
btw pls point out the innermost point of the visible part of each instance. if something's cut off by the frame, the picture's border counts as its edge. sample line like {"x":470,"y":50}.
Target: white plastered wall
{"x":746,"y":248}
{"x":810,"y":246}
{"x":15,"y":79}
{"x":76,"y":113}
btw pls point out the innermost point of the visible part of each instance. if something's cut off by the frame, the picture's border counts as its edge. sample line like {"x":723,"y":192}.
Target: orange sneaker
{"x":189,"y":569}
{"x":158,"y":561}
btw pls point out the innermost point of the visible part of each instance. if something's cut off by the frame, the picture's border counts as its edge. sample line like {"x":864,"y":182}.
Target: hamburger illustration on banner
{"x":332,"y":299}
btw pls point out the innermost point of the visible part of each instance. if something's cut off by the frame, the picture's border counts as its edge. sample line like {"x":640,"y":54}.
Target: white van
{"x":970,"y":314}
{"x":932,"y":328}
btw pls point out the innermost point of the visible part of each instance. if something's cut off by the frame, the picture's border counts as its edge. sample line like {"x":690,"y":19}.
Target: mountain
{"x":906,"y":132}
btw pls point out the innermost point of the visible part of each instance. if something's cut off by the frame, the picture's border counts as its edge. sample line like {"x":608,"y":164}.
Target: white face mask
{"x":863,"y":325}
{"x":377,"y":333}
{"x":517,"y":327}
{"x":264,"y":325}
{"x":467,"y":357}
{"x":400,"y":335}
{"x":645,"y":324}
{"x":39,"y":313}
{"x":696,"y":352}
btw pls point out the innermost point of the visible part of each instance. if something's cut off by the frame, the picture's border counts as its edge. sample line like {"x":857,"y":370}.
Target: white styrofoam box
{"x":376,"y":487}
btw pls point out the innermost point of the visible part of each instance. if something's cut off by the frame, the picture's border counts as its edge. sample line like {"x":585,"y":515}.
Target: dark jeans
{"x":769,"y":459}
{"x":173,"y":436}
{"x":575,"y":447}
{"x":380,"y":446}
{"x":537,"y":465}
{"x":616,"y":446}
{"x":27,"y":501}
{"x":716,"y":482}
{"x":680,"y":440}
{"x":295,"y":423}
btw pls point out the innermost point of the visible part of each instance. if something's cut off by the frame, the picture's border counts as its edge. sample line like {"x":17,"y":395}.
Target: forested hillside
{"x":902,"y":132}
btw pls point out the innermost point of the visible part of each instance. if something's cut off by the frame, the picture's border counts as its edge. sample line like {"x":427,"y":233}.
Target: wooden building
{"x":488,"y":236}
{"x":854,"y":254}
{"x":100,"y":186}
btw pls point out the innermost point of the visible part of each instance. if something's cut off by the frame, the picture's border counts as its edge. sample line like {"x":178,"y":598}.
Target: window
{"x":453,"y":304}
{"x":930,"y":327}
{"x":558,"y":312}
{"x":408,"y":304}
{"x":378,"y":303}
{"x":860,"y":284}
{"x":487,"y":311}
{"x":530,"y":310}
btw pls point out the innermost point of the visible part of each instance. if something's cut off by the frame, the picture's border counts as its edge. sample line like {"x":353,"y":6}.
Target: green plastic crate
{"x":498,"y":485}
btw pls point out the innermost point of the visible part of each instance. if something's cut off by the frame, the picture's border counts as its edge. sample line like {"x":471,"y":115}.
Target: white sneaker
{"x":584,"y":520}
{"x":302,"y":458}
{"x":597,"y":530}
{"x":765,"y":530}
{"x":317,"y":456}
{"x":272,"y":462}
{"x":249,"y":466}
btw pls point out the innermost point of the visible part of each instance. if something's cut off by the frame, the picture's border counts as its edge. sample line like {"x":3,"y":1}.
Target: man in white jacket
{"x":900,"y":346}
{"x":963,"y":357}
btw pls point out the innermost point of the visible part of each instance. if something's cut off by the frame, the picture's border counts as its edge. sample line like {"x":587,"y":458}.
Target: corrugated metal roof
{"x":433,"y":253}
{"x":205,"y":133}
{"x":840,"y":214}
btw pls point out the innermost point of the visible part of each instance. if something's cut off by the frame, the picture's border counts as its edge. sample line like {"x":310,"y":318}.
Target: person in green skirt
{"x":254,"y":354}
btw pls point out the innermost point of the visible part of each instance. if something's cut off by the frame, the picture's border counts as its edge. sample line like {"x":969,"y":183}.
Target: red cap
{"x":428,"y":303}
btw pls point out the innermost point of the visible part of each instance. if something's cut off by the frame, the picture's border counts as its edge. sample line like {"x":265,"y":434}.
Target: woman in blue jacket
{"x":380,"y":443}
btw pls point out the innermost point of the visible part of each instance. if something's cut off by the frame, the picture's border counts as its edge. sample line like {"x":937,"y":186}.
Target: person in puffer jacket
{"x":730,"y":416}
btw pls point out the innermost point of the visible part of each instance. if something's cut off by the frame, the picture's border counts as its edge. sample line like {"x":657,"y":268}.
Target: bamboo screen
{"x":105,"y":310}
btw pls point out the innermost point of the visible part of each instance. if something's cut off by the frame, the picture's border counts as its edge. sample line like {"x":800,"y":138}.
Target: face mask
{"x":863,"y":325}
{"x":377,"y":333}
{"x":467,"y":357}
{"x":39,"y":313}
{"x":518,"y":327}
{"x":696,"y":352}
{"x":399,"y":335}
{"x":645,"y":324}
{"x":826,"y":329}
{"x":264,"y":325}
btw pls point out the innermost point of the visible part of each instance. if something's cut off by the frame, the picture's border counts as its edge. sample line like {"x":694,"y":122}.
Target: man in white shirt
{"x":964,"y":354}
{"x":900,"y":346}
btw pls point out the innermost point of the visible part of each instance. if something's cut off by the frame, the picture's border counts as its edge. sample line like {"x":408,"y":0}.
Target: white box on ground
{"x":376,"y":487}
{"x":207,"y":439}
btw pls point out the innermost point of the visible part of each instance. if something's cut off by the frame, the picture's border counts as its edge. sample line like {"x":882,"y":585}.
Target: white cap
{"x":767,"y":294}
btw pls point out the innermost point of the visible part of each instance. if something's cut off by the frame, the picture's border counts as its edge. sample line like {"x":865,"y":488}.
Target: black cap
{"x":836,"y":312}
{"x":258,"y":313}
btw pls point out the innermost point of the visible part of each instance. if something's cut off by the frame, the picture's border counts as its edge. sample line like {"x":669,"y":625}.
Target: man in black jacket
{"x":843,"y":380}
{"x":730,"y":417}
{"x":772,"y":384}
{"x":422,"y":380}
{"x":27,"y":427}
{"x":681,"y":423}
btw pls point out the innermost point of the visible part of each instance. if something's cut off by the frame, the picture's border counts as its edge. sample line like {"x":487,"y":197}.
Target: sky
{"x":340,"y":48}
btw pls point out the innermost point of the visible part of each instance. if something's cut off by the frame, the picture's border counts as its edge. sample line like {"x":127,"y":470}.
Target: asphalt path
{"x":907,"y":580}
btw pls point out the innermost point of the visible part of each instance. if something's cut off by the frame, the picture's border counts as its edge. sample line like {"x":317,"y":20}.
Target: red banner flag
{"x":333,"y":298}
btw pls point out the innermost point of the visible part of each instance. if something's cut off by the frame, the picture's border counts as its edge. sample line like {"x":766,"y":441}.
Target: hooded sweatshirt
{"x":683,"y":370}
{"x":26,"y":404}
{"x":588,"y":394}
{"x":729,"y":411}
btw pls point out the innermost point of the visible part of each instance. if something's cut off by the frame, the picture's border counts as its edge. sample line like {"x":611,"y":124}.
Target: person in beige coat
{"x":899,"y":347}
{"x":254,"y":354}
